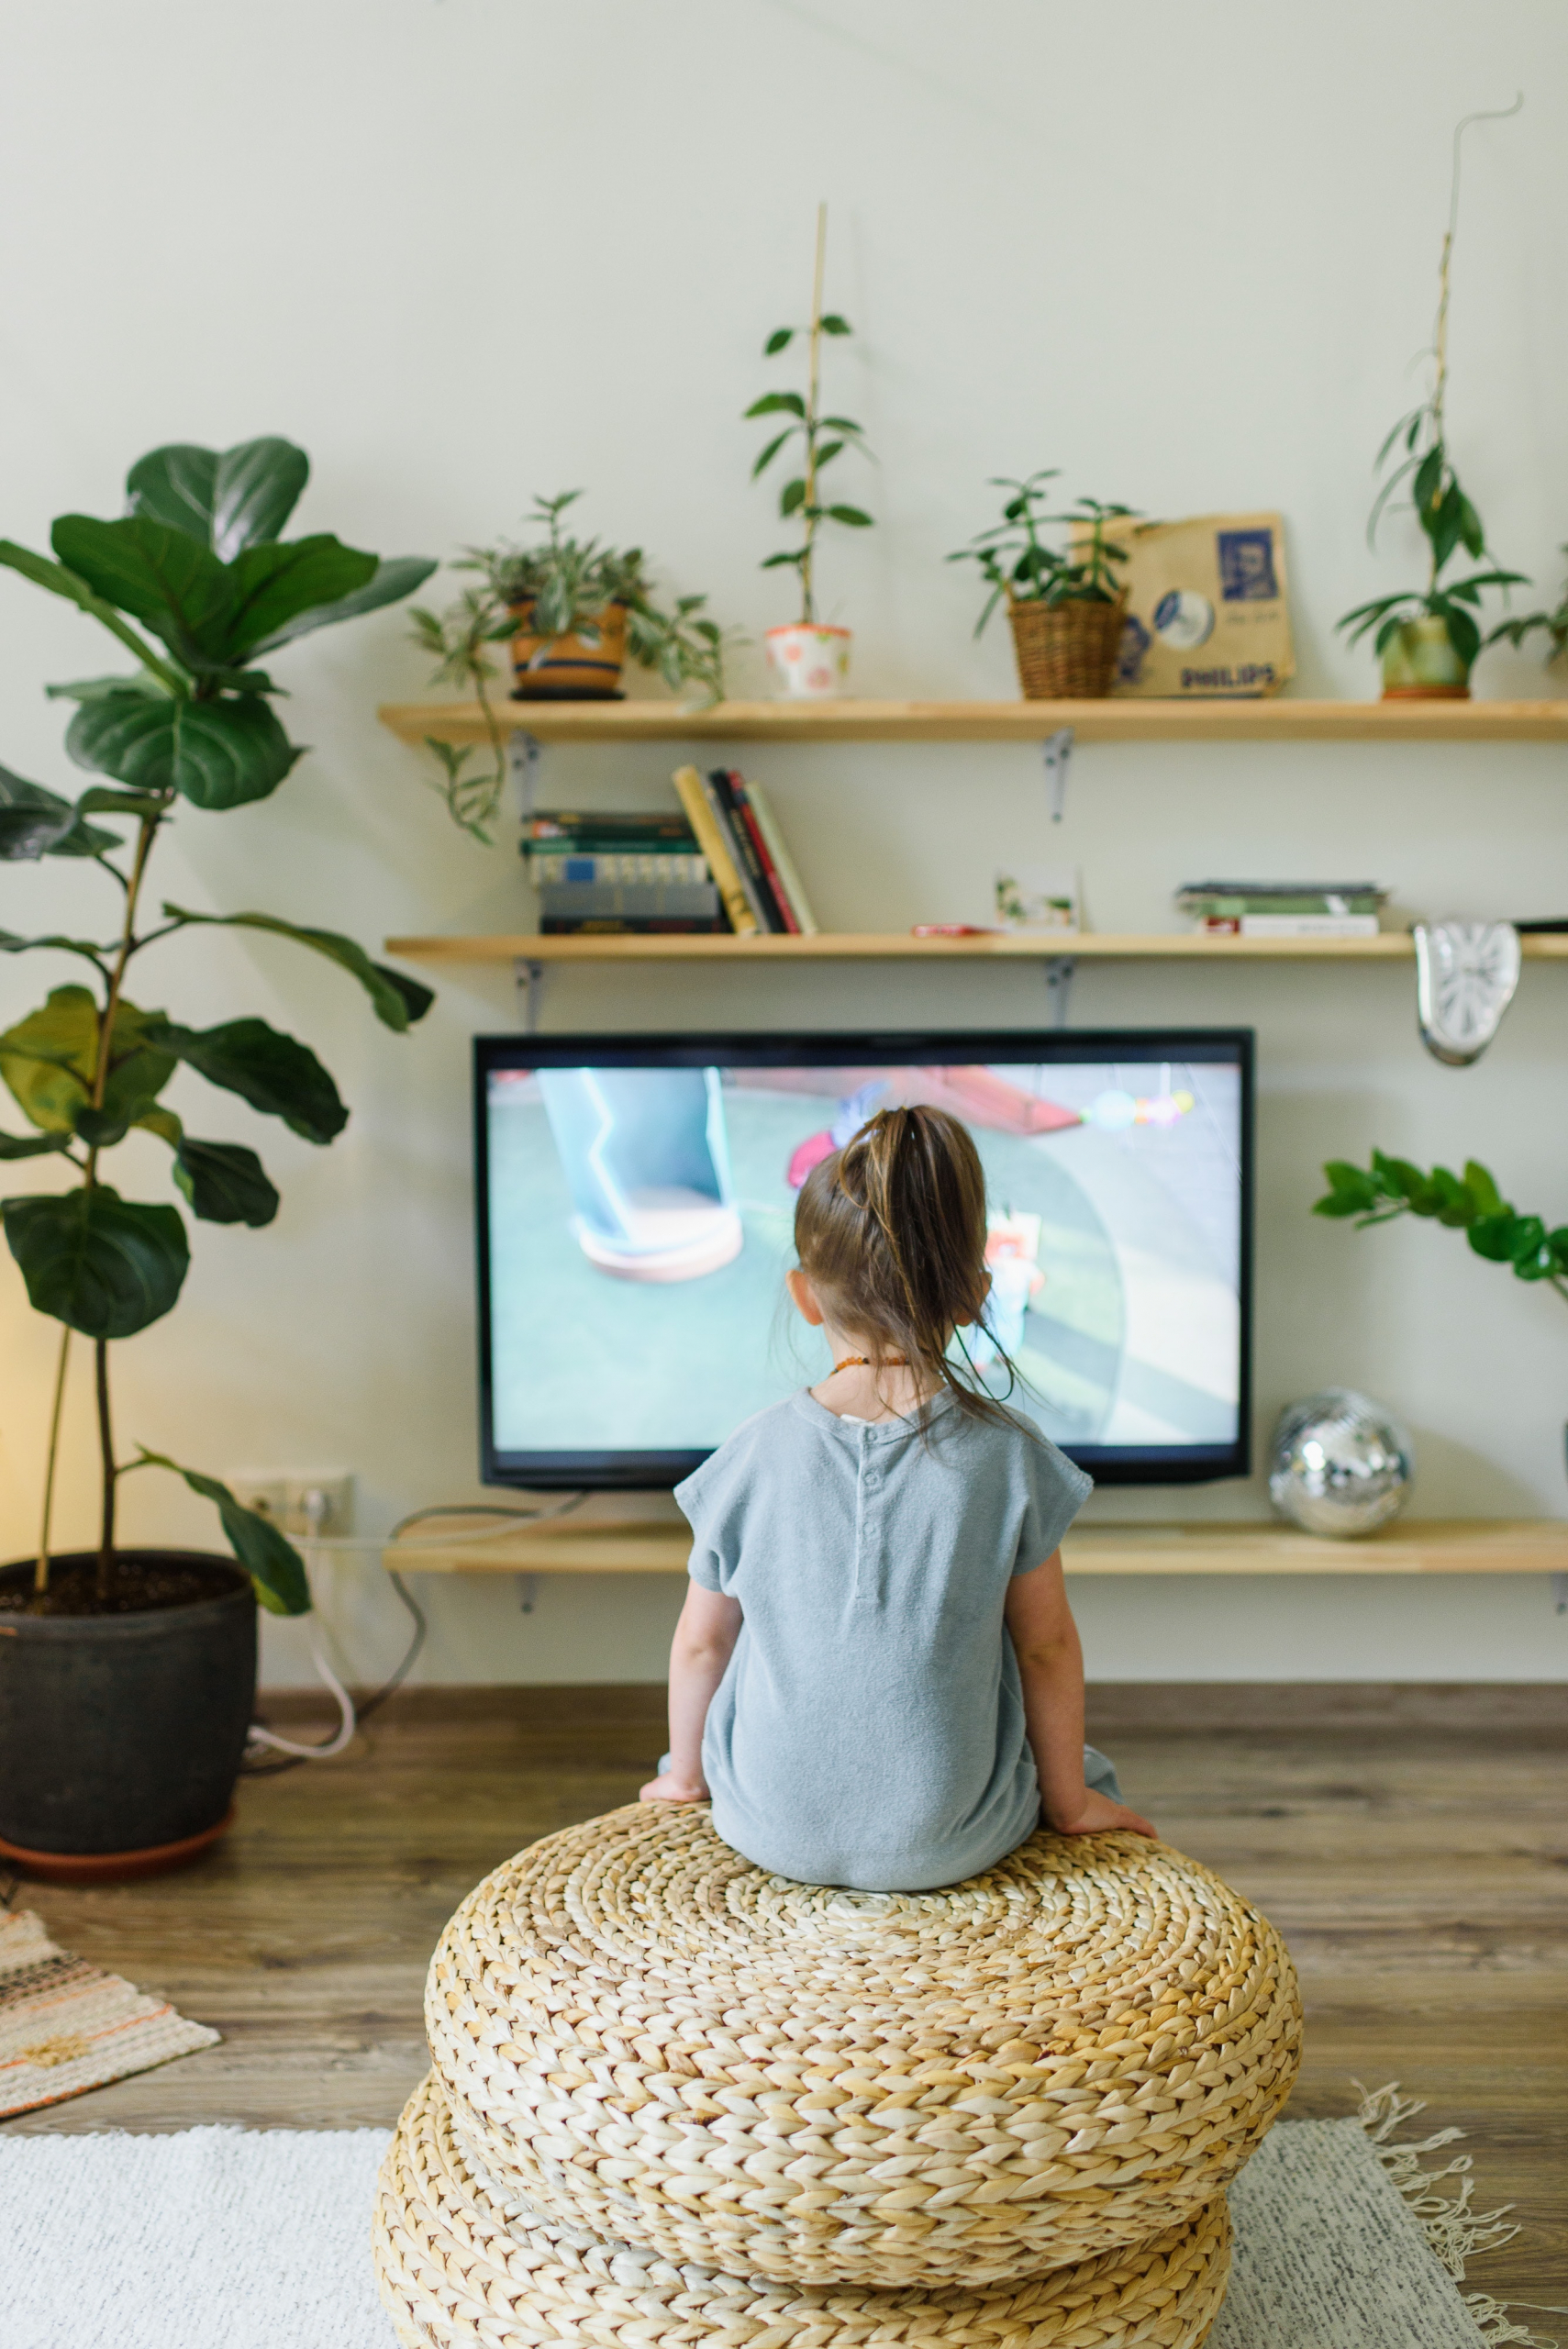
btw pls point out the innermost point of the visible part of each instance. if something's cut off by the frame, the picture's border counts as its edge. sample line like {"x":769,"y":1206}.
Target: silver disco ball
{"x":1340,"y":1463}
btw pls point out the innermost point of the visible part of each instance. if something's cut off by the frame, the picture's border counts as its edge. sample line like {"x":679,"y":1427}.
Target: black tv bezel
{"x":609,"y":1471}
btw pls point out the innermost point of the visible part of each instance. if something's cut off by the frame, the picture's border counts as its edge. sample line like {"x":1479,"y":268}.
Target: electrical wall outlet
{"x":302,"y":1505}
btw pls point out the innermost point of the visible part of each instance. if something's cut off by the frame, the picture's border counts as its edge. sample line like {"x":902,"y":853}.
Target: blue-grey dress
{"x":869,"y":1729}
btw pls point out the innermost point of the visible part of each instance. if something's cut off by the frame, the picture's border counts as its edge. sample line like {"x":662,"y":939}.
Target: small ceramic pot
{"x":568,"y":668}
{"x":810,"y":661}
{"x":1420,"y":663}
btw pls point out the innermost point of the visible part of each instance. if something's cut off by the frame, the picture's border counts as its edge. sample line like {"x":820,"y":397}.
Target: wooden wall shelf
{"x":1445,"y":1546}
{"x":853,"y":946}
{"x":1111,"y":720}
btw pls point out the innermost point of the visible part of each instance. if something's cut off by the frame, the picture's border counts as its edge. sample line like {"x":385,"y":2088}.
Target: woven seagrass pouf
{"x":461,"y":2261}
{"x":649,"y":2039}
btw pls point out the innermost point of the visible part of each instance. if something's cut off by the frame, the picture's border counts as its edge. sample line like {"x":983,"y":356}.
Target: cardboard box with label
{"x":1208,"y":608}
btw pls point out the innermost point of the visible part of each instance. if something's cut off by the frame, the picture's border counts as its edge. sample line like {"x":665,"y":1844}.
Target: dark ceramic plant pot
{"x":121,"y":1734}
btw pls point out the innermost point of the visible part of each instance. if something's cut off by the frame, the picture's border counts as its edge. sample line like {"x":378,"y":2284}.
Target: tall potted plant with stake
{"x":126,"y":1675}
{"x":809,"y":657}
{"x":1429,"y":637}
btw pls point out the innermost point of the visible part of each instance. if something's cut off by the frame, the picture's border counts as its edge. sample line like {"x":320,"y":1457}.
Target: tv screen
{"x":636,"y":1206}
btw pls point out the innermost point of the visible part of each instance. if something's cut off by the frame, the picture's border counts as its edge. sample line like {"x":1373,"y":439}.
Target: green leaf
{"x":780,"y":339}
{"x":778,"y":403}
{"x":273,"y":1565}
{"x":275,"y":585}
{"x":1482,"y":1190}
{"x":395,"y":576}
{"x":825,"y":454}
{"x":164,"y":1124}
{"x":218,"y":754}
{"x":782,"y":562}
{"x":58,"y":581}
{"x":1397,"y":1177}
{"x":1352,"y":1190}
{"x":1494,"y":1236}
{"x":11,"y":944}
{"x":831,"y":323}
{"x":772,"y":451}
{"x":132,"y":805}
{"x":845,"y":424}
{"x":35,"y":822}
{"x":229,"y":500}
{"x":167,"y":579}
{"x":50,"y":1060}
{"x":104,"y":1265}
{"x":791,"y":497}
{"x":31,"y":1145}
{"x":277,"y":1076}
{"x":396,"y":1001}
{"x":852,"y":516}
{"x":224,"y":1181}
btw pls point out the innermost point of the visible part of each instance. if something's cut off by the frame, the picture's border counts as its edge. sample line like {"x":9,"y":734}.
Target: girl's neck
{"x":861,"y":1390}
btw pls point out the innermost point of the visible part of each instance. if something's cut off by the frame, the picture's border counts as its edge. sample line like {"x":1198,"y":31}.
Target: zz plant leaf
{"x":1470,"y":1203}
{"x":197,"y":581}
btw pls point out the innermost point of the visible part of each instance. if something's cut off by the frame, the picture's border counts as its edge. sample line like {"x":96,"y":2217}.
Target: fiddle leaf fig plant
{"x":196,"y":565}
{"x":1469,"y":1203}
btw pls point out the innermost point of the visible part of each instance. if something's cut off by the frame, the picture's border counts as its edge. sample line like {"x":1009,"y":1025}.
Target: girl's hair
{"x":890,"y":1232}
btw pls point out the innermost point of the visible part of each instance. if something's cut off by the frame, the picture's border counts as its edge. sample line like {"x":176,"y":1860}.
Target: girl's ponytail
{"x":891,"y":1233}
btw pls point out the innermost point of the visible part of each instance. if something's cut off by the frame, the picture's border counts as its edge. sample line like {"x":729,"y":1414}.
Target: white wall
{"x":467,"y":249}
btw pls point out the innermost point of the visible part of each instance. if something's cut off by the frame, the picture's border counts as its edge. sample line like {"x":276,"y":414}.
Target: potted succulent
{"x":1428,"y":639}
{"x":1066,"y":604}
{"x":573,"y":611}
{"x":809,"y":657}
{"x":126,"y":1675}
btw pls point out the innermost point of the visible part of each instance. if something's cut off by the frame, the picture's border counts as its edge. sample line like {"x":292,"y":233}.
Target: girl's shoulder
{"x":733,"y":1464}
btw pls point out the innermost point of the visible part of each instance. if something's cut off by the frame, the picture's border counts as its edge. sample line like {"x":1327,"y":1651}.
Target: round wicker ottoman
{"x":462,"y":2261}
{"x":649,"y":2039}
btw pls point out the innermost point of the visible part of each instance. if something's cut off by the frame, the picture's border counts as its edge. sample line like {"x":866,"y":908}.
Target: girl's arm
{"x":703,"y":1642}
{"x":1050,"y":1666}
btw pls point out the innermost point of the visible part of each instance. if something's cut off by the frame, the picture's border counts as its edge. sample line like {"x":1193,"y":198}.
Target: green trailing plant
{"x":1469,"y":1203}
{"x":1448,"y":519}
{"x":569,"y":584}
{"x":1021,"y":565}
{"x":198,"y":562}
{"x":1555,"y":623}
{"x":822,"y":440}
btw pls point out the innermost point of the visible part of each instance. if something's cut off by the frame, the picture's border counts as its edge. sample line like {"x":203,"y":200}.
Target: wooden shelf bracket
{"x":530,"y":977}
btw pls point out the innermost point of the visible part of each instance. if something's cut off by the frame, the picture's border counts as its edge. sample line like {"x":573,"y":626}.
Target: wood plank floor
{"x":1412,"y":1843}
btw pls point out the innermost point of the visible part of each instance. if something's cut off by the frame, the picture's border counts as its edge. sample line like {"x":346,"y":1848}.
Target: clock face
{"x":1465,"y":975}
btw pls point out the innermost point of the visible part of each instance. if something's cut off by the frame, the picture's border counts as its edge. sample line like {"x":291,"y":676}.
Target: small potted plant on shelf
{"x":126,"y":1675}
{"x":809,"y":657}
{"x":1066,"y":604}
{"x":572,"y":611}
{"x":1428,"y":639}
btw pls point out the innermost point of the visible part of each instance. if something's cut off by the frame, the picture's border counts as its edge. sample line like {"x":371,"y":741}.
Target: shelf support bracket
{"x":1059,"y":971}
{"x":523,"y":752}
{"x":531,"y":987}
{"x":1056,"y":751}
{"x":528,"y":1593}
{"x":1559,"y":1585}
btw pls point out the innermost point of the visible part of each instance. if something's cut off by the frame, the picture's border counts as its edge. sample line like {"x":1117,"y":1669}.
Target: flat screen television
{"x":636,"y":1197}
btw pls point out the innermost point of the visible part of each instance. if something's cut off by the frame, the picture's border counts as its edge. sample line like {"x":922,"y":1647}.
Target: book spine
{"x":759,"y":896}
{"x":1308,"y":925}
{"x":631,"y":925}
{"x":715,"y":848}
{"x":617,"y":869}
{"x":606,"y":823}
{"x":761,"y":807}
{"x":740,"y":792}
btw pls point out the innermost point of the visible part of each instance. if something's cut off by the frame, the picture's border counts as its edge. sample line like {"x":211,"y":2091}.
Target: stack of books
{"x":1284,"y":909}
{"x":747,"y":853}
{"x":610,"y":872}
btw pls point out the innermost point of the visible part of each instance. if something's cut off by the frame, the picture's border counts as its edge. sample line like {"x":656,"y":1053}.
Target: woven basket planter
{"x":1066,"y":652}
{"x":651,"y":2040}
{"x":461,"y":2261}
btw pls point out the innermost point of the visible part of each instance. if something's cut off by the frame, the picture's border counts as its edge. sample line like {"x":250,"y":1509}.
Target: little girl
{"x":876,"y":1676}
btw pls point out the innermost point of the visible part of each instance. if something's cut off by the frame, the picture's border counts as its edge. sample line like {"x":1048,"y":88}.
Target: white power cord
{"x":259,"y":1740}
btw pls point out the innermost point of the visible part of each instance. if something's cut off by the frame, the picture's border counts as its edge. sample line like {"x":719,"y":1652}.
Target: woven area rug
{"x":66,"y":2026}
{"x":262,"y":2241}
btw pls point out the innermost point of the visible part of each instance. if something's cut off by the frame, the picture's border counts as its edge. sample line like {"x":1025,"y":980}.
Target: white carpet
{"x":236,"y":2239}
